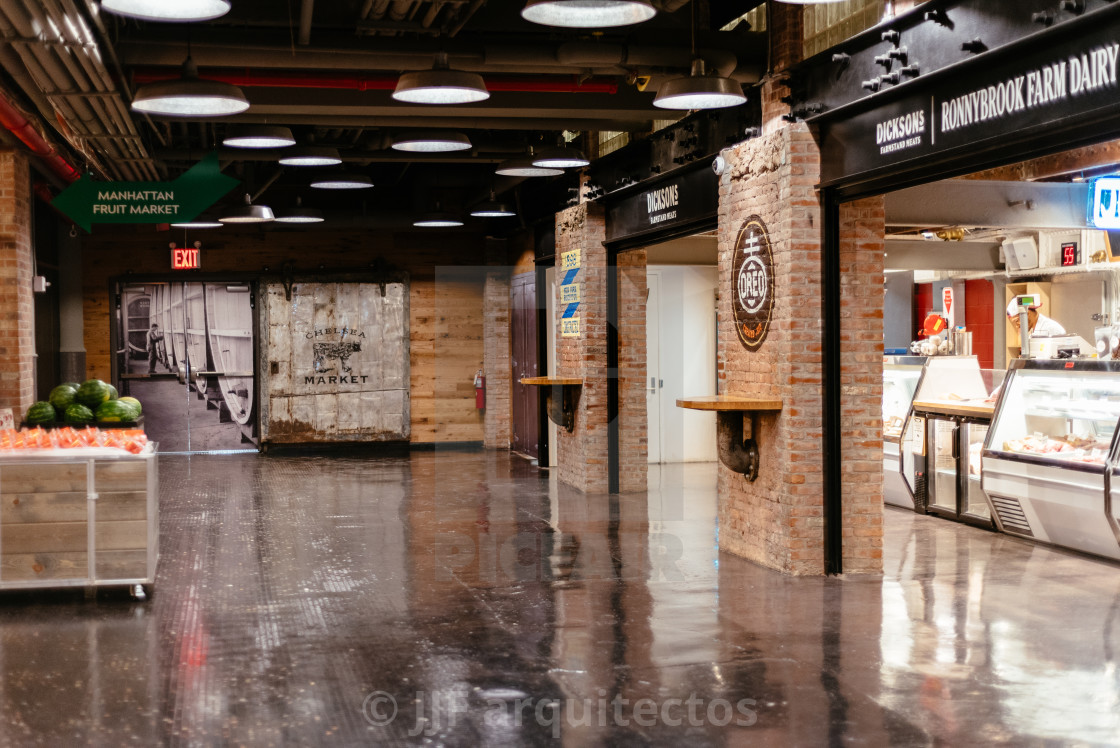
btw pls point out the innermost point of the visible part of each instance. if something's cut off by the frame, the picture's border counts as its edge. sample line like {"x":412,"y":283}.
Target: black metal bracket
{"x":560,"y":401}
{"x":735,"y":437}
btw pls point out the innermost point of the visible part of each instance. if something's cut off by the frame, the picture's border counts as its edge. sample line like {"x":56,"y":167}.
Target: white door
{"x":653,"y":365}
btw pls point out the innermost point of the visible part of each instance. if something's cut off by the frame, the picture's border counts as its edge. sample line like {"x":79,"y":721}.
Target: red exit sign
{"x":186,"y":259}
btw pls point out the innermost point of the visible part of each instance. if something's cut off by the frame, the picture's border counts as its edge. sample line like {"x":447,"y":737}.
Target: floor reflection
{"x":464,"y":598}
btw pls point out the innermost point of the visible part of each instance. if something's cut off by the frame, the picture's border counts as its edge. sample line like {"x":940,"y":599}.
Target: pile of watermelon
{"x":82,"y":404}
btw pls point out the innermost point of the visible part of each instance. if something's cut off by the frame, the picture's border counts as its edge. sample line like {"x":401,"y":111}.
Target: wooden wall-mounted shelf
{"x":735,"y":427}
{"x":562,"y":409}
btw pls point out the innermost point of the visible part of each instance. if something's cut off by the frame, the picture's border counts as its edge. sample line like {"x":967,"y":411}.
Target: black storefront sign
{"x":1072,"y":81}
{"x":657,"y":208}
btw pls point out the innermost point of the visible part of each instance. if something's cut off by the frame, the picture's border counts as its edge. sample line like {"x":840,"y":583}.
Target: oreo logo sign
{"x":752,"y":277}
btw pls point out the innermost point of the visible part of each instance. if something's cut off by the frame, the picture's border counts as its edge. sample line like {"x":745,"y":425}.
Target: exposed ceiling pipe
{"x":554,"y":59}
{"x":381,"y":82}
{"x":306,"y":10}
{"x":22,"y":128}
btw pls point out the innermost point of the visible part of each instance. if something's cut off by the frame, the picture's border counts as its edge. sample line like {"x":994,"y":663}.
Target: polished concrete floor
{"x":463,"y":599}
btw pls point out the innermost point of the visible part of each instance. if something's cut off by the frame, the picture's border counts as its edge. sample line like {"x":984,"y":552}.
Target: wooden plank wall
{"x":446,"y":293}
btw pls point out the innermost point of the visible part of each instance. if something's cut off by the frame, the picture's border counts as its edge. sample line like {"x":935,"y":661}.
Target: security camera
{"x":719,"y":164}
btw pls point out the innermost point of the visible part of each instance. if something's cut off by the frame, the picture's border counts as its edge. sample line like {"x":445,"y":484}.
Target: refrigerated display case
{"x":1051,"y":455}
{"x":948,"y":424}
{"x":901,"y":375}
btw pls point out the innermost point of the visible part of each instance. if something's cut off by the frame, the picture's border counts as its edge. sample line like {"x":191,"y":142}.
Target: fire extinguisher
{"x":479,"y":390}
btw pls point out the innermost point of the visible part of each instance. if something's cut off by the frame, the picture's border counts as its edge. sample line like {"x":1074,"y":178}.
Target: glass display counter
{"x":901,"y":375}
{"x":948,"y":424}
{"x":1051,"y":453}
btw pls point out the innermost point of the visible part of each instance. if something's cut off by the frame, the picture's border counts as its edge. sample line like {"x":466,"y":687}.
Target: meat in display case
{"x":1047,"y":458}
{"x":900,"y":380}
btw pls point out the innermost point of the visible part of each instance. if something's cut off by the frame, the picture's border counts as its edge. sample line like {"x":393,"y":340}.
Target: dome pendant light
{"x":699,"y":91}
{"x":526,"y":167}
{"x":441,"y":85}
{"x":168,"y":10}
{"x":343,"y":181}
{"x":311,"y":155}
{"x":588,"y":14}
{"x":431,"y":142}
{"x":300,"y":214}
{"x":248,"y":213}
{"x":190,"y":96}
{"x":561,"y":157}
{"x":492,"y":209}
{"x":437,"y":219}
{"x":259,"y":136}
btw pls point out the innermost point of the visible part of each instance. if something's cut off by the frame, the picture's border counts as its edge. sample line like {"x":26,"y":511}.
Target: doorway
{"x":186,"y":350}
{"x":525,"y":434}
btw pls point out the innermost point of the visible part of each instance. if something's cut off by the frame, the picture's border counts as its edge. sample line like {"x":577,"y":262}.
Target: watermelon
{"x":113,"y":394}
{"x":75,"y":385}
{"x":114,"y":411}
{"x":136,"y":407}
{"x":62,"y":396}
{"x":41,"y":412}
{"x":92,"y":393}
{"x":78,"y":414}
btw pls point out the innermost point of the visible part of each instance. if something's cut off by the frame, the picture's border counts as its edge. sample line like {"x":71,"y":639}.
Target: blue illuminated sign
{"x":1104,"y":203}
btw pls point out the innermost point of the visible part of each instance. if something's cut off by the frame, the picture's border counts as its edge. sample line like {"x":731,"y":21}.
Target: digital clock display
{"x":1070,"y":254}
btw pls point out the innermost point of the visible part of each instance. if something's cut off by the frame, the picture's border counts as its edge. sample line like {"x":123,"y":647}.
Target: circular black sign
{"x":752,"y":283}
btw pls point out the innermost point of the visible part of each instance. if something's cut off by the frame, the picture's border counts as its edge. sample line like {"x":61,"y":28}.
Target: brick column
{"x":785,"y":36}
{"x":496,"y":347}
{"x":633,"y":441}
{"x":778,"y":519}
{"x":582,"y":454}
{"x":17,"y":307}
{"x":861,"y":334}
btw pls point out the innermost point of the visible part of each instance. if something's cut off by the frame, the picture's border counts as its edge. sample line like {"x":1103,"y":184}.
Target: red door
{"x":523,"y":316}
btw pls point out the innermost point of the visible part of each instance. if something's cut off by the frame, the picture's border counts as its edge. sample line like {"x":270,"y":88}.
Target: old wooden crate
{"x":72,"y":518}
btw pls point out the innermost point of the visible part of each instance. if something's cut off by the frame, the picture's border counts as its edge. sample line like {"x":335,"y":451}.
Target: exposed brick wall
{"x":861,"y":372}
{"x":785,"y":29}
{"x":17,"y":306}
{"x":582,"y":454}
{"x":633,"y":457}
{"x":496,"y":347}
{"x":777,"y":519}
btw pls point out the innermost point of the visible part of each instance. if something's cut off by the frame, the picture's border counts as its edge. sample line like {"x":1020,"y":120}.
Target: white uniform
{"x":1044,"y":327}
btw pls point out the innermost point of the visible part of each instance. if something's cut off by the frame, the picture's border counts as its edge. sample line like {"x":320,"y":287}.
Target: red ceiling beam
{"x":21,"y":127}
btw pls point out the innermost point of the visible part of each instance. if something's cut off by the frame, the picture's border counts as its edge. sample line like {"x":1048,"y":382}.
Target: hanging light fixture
{"x":258,"y":136}
{"x":437,"y":219}
{"x":168,"y":10}
{"x":588,"y":14}
{"x":699,"y":90}
{"x":812,"y":2}
{"x":431,"y":142}
{"x":343,"y":181}
{"x":492,"y":209}
{"x":311,"y":155}
{"x":441,"y":85}
{"x":190,"y":96}
{"x":198,"y":223}
{"x":248,"y":213}
{"x":561,"y":157}
{"x":299,"y":214}
{"x":525,"y":167}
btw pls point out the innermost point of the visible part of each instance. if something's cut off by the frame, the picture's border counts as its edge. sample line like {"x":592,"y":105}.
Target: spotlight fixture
{"x":190,"y":96}
{"x":431,"y":142}
{"x":343,"y":181}
{"x":441,"y":85}
{"x":699,"y":91}
{"x":198,"y":223}
{"x":437,"y":219}
{"x":311,"y":155}
{"x":248,"y":213}
{"x":300,"y":214}
{"x":588,"y":14}
{"x":561,"y":157}
{"x":168,"y":10}
{"x":259,"y":136}
{"x":492,"y":209}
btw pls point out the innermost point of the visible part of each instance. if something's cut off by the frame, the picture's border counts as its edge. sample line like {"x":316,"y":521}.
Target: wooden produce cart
{"x":85,"y":517}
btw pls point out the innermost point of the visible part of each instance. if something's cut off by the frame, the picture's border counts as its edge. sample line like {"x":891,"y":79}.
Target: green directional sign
{"x":87,"y":202}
